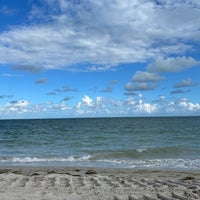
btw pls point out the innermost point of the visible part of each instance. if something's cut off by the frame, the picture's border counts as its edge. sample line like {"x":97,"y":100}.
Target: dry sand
{"x":92,"y":184}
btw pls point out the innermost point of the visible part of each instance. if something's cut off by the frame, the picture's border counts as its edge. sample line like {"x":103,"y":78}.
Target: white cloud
{"x":146,"y":108}
{"x":185,"y":105}
{"x":141,"y":76}
{"x":138,"y":107}
{"x":101,"y":33}
{"x":18,"y":104}
{"x":59,"y":107}
{"x":15,"y":107}
{"x":99,"y":106}
{"x":90,"y":106}
{"x":172,"y":64}
{"x":87,"y":101}
{"x":162,"y":107}
{"x":97,"y":103}
{"x":130,"y":101}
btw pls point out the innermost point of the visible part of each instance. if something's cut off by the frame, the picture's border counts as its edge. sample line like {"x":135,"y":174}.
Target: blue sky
{"x":99,"y":58}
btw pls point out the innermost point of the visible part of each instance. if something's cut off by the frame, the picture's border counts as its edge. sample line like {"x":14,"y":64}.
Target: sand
{"x":91,"y":184}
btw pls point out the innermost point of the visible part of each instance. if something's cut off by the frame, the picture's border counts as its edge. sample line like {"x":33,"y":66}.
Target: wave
{"x":88,"y":160}
{"x":42,"y":160}
{"x":172,"y":163}
{"x":157,"y":163}
{"x":148,"y":153}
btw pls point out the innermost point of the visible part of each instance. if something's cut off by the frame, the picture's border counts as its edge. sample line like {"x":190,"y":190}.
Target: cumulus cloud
{"x":171,"y":64}
{"x":18,"y":104}
{"x":87,"y":101}
{"x":89,"y":105}
{"x":58,"y":107}
{"x":21,"y":108}
{"x":185,"y":83}
{"x":141,"y":76}
{"x":99,"y":106}
{"x":146,"y":108}
{"x":15,"y":107}
{"x":162,"y":65}
{"x":140,"y":86}
{"x":140,"y":107}
{"x":163,"y":106}
{"x":101,"y":33}
{"x":188,"y":106}
{"x":130,"y":101}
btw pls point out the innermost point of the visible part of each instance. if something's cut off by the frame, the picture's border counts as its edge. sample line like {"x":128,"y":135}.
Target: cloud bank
{"x":100,"y":106}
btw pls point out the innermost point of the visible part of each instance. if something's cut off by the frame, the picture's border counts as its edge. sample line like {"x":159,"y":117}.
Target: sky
{"x":99,"y":58}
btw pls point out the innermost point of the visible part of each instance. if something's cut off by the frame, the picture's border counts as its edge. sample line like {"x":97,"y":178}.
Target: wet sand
{"x":48,"y":183}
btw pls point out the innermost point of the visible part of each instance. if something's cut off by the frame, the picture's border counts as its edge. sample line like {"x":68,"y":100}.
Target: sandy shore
{"x":91,"y":184}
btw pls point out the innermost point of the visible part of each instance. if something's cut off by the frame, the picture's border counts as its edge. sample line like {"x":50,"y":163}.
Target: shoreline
{"x":80,"y":183}
{"x":97,"y":168}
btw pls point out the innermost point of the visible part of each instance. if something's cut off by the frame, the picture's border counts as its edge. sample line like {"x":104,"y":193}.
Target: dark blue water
{"x":160,"y":142}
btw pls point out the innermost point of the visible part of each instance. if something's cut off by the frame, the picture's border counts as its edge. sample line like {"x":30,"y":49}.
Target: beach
{"x":155,"y":158}
{"x":73,"y":183}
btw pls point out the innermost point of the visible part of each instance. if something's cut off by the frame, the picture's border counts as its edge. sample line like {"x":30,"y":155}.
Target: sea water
{"x":151,"y":142}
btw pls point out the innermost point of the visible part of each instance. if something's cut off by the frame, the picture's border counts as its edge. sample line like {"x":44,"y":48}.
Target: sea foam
{"x":43,"y":160}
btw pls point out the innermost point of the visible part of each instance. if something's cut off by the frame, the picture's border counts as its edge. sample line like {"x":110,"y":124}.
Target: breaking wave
{"x":113,"y":163}
{"x":42,"y":160}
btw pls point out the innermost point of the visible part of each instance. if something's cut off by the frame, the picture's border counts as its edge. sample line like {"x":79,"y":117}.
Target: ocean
{"x":143,"y":142}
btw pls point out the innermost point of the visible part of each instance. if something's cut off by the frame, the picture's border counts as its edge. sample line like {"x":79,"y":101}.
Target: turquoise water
{"x":157,"y":142}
